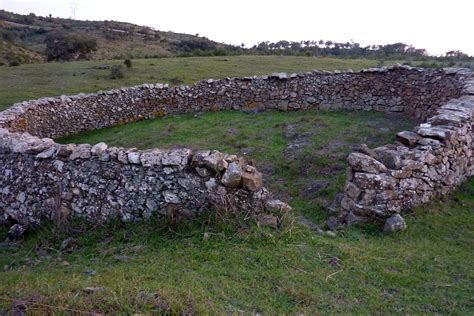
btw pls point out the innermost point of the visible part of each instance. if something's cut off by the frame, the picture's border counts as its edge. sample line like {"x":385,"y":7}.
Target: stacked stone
{"x":43,"y":180}
{"x":394,"y":89}
{"x":40,"y":179}
{"x":426,"y":163}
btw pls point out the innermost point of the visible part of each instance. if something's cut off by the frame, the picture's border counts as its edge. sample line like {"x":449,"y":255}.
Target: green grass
{"x":424,"y":270}
{"x":37,"y":80}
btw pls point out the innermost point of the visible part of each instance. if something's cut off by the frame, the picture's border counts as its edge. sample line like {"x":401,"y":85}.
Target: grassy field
{"x":237,"y":267}
{"x":33,"y":81}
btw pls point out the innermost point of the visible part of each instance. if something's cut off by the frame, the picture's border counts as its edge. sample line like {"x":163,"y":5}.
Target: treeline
{"x":322,"y":48}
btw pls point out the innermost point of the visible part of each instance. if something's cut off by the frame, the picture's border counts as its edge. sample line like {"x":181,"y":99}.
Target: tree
{"x":62,"y":46}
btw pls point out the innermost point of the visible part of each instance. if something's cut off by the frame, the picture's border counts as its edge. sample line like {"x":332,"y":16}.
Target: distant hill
{"x":22,"y":38}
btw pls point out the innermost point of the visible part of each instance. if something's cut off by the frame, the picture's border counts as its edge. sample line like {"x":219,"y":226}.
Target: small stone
{"x":202,"y":172}
{"x":277,"y":206}
{"x":211,"y":184}
{"x":90,"y":272}
{"x":178,"y":157}
{"x":134,"y":157}
{"x":212,"y":161}
{"x":267,"y":220}
{"x":21,"y":197}
{"x":121,"y":258}
{"x":58,"y":164}
{"x":330,"y":233}
{"x":16,"y":231}
{"x":395,"y":223}
{"x":170,"y":197}
{"x":407,"y":138}
{"x":333,"y":223}
{"x":365,"y":163}
{"x":92,"y":290}
{"x":151,"y":158}
{"x":48,"y":153}
{"x":252,"y":180}
{"x":68,"y":244}
{"x":80,"y":152}
{"x":99,"y":148}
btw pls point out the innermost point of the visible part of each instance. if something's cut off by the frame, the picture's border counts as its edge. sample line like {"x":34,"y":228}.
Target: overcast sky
{"x":437,"y":25}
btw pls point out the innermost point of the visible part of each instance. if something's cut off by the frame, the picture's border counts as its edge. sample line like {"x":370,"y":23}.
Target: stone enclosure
{"x":43,"y":180}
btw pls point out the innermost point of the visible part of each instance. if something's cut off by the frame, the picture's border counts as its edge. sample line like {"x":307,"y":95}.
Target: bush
{"x":14,"y":63}
{"x":62,"y":46}
{"x":116,"y":72}
{"x":128,"y":63}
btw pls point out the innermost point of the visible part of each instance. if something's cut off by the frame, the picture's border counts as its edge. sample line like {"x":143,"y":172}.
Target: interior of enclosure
{"x":102,"y":181}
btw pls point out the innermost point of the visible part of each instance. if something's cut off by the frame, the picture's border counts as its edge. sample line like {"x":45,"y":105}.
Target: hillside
{"x":23,"y":38}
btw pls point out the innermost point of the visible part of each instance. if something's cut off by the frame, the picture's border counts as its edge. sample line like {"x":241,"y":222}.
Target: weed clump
{"x":116,"y":72}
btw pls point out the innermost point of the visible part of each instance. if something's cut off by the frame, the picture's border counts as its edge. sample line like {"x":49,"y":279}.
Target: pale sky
{"x":436,"y":25}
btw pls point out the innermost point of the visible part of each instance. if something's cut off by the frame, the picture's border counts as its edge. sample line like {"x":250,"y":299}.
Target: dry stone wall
{"x":40,"y":179}
{"x":422,"y":164}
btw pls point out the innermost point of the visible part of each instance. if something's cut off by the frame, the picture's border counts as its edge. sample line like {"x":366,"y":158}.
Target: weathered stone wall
{"x":390,"y":90}
{"x":423,"y":164}
{"x":40,"y":179}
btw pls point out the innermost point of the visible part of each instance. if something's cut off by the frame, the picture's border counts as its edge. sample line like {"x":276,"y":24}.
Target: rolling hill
{"x":23,"y":38}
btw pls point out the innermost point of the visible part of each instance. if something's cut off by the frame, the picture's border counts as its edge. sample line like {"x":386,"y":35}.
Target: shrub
{"x":62,"y":46}
{"x":14,"y":63}
{"x":128,"y":63}
{"x":116,"y":72}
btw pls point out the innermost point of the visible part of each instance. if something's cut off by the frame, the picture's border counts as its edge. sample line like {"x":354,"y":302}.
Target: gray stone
{"x":277,"y":206}
{"x":151,"y":158}
{"x":134,"y":157}
{"x":212,"y":160}
{"x":394,"y":223}
{"x":364,"y":163}
{"x":267,"y":220}
{"x":407,"y":138}
{"x":233,"y":176}
{"x":48,"y":153}
{"x":99,"y":148}
{"x":171,"y":197}
{"x":81,"y":152}
{"x":176,"y":158}
{"x":16,"y":231}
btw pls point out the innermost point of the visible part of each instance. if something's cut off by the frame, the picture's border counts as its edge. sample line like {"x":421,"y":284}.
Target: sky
{"x":437,"y":25}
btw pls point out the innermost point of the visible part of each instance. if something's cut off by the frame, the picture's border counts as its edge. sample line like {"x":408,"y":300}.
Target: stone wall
{"x":40,"y":179}
{"x":387,"y":89}
{"x":421,"y":165}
